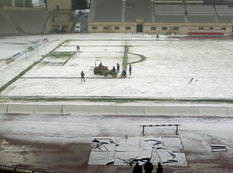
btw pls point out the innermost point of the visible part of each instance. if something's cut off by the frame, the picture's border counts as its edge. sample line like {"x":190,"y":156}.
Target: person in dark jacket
{"x":123,"y":74}
{"x":130,"y":69}
{"x":82,"y":76}
{"x":148,"y":167}
{"x":160,"y":168}
{"x":118,"y":68}
{"x":137,"y":168}
{"x":78,"y":48}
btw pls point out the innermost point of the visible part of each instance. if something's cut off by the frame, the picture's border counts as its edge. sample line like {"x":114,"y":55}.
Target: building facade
{"x":59,"y":4}
{"x":153,"y":17}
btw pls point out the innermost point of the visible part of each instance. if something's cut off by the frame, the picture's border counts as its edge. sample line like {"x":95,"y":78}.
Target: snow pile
{"x":132,"y":149}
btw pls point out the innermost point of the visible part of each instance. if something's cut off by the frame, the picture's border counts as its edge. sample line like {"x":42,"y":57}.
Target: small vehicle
{"x":100,"y":69}
{"x":110,"y":72}
{"x":86,"y":11}
{"x":77,"y":27}
{"x":78,"y":13}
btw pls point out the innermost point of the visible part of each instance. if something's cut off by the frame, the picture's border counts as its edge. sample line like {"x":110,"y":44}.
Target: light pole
{"x":13,"y":3}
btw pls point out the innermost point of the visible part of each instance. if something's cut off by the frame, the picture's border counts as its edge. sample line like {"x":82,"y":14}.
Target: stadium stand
{"x":160,"y":16}
{"x":107,"y":10}
{"x":138,"y":9}
{"x":169,"y":9}
{"x":7,"y":27}
{"x":201,"y":14}
{"x":169,"y":13}
{"x":111,"y":11}
{"x":31,"y":21}
{"x":200,"y":9}
{"x":225,"y":13}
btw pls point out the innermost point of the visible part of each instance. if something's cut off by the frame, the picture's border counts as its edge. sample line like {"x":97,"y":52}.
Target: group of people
{"x":118,"y":70}
{"x":148,"y":167}
{"x":130,"y":68}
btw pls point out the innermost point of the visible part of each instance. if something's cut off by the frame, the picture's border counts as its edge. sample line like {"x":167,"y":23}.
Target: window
{"x":200,"y":27}
{"x":176,"y":28}
{"x":211,"y":27}
{"x":153,"y":28}
{"x":223,"y":28}
{"x":127,"y":28}
{"x":164,"y":28}
{"x":105,"y":28}
{"x":116,"y":28}
{"x":94,"y":27}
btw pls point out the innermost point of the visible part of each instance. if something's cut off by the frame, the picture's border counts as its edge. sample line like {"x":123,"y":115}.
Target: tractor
{"x":100,"y":69}
{"x":103,"y":70}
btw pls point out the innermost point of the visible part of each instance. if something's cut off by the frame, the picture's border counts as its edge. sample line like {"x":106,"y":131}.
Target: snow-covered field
{"x":173,"y":68}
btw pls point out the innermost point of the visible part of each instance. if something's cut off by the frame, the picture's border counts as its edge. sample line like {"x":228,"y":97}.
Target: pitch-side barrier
{"x":23,"y":52}
{"x":163,"y":110}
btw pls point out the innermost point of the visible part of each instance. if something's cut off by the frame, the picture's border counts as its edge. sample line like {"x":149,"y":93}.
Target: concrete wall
{"x":3,"y":108}
{"x":155,"y":110}
{"x":19,"y":108}
{"x":48,"y":109}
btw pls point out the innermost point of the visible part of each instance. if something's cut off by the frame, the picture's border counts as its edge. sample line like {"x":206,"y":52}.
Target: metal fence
{"x":16,"y":169}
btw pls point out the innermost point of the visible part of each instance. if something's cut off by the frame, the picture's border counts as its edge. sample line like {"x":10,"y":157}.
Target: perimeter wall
{"x":140,"y":110}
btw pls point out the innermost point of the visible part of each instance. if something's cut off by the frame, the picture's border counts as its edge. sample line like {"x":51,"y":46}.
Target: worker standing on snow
{"x":148,"y":167}
{"x":123,"y":75}
{"x":82,"y":76}
{"x":130,"y":69}
{"x":160,"y":168}
{"x":137,"y":168}
{"x":78,"y":48}
{"x":113,"y":69}
{"x":118,"y":68}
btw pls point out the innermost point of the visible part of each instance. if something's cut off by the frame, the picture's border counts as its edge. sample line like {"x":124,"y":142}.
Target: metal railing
{"x":16,"y":169}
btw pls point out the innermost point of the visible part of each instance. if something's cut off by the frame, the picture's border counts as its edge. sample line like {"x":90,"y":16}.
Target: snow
{"x":173,"y":68}
{"x":73,"y":128}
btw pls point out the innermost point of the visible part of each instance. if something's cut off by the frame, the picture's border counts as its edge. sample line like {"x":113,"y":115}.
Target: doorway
{"x":139,"y":28}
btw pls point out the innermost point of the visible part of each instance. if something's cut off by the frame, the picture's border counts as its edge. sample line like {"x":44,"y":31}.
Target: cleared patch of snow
{"x":132,"y":149}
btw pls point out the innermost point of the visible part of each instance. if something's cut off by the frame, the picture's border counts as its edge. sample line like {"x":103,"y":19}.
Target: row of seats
{"x":171,"y":9}
{"x":200,"y":9}
{"x":179,"y":1}
{"x":169,"y":18}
